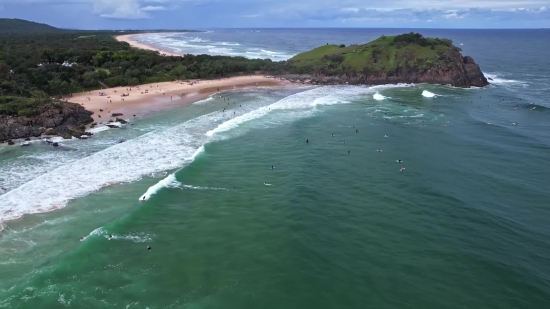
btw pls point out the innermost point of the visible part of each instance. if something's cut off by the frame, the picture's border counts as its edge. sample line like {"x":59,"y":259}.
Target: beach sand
{"x":132,"y":39}
{"x":148,"y":98}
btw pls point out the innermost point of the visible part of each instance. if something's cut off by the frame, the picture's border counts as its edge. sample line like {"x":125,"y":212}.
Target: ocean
{"x":404,"y":196}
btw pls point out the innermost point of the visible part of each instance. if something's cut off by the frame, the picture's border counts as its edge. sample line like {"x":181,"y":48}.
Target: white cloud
{"x":153,"y":8}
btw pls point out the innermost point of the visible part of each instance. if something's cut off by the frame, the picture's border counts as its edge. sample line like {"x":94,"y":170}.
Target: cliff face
{"x":388,"y":60}
{"x":67,"y":120}
{"x":460,"y":72}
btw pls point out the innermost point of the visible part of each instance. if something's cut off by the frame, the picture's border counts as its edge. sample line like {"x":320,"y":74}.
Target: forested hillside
{"x":19,"y":26}
{"x":66,"y":62}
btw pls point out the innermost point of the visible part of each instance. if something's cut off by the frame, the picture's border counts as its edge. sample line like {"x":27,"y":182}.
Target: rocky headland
{"x":406,"y":58}
{"x":63,"y":119}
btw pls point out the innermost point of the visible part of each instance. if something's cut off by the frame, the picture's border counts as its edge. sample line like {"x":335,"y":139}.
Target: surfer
{"x":82,"y":238}
{"x":379,"y":150}
{"x":402,"y":169}
{"x":348,"y":152}
{"x":356,"y":131}
{"x":267,"y":184}
{"x":110,"y":236}
{"x":143,"y":199}
{"x":307,"y":141}
{"x":272,"y":167}
{"x":515,"y":124}
{"x":385,"y":136}
{"x":149,"y":248}
{"x":332,"y":134}
{"x":4,"y":189}
{"x":399,"y":161}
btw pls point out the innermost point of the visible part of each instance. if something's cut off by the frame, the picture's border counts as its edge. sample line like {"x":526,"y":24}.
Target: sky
{"x":204,"y":14}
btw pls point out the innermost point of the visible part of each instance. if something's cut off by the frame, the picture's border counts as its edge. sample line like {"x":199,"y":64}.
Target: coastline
{"x":147,"y":98}
{"x":129,"y":38}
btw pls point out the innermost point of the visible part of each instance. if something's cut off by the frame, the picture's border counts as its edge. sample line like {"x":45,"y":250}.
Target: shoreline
{"x":148,"y":98}
{"x":129,"y":38}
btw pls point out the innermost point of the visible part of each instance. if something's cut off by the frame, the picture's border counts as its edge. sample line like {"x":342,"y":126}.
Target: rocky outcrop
{"x":66,"y":120}
{"x":457,"y":71}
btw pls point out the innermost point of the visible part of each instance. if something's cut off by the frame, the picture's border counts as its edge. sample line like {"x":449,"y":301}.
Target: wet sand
{"x":149,"y":98}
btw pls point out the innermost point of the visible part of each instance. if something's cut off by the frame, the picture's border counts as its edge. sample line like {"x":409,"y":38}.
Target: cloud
{"x":150,"y":8}
{"x":309,"y":13}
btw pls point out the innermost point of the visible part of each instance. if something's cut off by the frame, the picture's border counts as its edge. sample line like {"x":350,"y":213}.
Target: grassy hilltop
{"x":402,"y":58}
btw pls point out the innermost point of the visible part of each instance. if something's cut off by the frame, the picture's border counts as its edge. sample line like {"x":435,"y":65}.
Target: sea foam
{"x":428,"y":94}
{"x":378,"y":97}
{"x":158,"y":151}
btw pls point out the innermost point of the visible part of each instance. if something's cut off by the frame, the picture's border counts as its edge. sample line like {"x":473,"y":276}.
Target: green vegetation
{"x":38,"y":62}
{"x":386,"y":54}
{"x":31,"y":64}
{"x":19,"y":26}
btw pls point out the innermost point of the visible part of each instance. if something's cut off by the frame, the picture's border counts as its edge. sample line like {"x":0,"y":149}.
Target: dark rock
{"x":10,"y":142}
{"x":121,"y":120}
{"x":112,"y":126}
{"x":56,"y":144}
{"x":51,"y":116}
{"x":117,"y":115}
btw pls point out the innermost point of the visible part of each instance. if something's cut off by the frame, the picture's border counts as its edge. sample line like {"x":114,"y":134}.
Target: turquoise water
{"x":464,"y":225}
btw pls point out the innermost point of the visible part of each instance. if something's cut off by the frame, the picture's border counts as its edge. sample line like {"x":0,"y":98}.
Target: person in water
{"x":148,"y":248}
{"x":272,"y":167}
{"x":356,"y":131}
{"x":399,"y":161}
{"x":110,"y":236}
{"x":349,"y":152}
{"x":307,"y":141}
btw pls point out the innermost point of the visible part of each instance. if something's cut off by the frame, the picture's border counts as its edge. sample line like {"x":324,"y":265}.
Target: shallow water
{"x":465,"y":225}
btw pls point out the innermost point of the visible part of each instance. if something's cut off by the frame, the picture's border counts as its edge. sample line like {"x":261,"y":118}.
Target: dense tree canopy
{"x":72,"y":61}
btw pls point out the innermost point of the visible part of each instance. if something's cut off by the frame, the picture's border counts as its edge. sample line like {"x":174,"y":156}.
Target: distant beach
{"x":130,"y":39}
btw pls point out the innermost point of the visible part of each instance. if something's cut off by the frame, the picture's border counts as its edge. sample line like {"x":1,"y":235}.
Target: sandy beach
{"x":144,"y":99}
{"x":133,"y":40}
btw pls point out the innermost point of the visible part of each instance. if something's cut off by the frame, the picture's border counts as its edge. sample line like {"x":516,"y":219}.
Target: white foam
{"x":201,"y":188}
{"x":303,"y":100}
{"x":98,"y":129}
{"x":169,"y":181}
{"x":157,"y":151}
{"x":428,"y":94}
{"x":197,"y":39}
{"x":378,"y":97}
{"x":502,"y":81}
